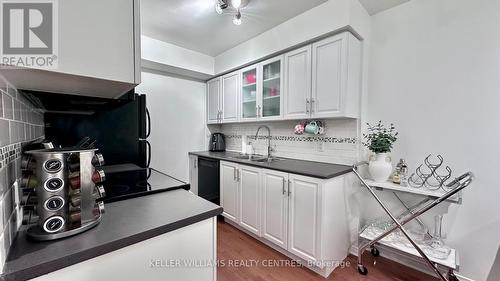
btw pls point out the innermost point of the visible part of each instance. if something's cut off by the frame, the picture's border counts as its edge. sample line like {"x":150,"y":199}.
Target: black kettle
{"x":217,"y":142}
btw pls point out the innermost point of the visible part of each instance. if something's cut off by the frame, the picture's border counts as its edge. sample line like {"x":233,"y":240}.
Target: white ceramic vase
{"x":380,"y":167}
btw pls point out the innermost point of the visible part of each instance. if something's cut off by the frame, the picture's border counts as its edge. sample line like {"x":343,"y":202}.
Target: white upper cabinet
{"x":275,"y":207}
{"x":323,"y":80}
{"x":250,"y":182}
{"x":98,"y":47}
{"x":230,"y":97}
{"x":97,"y":38}
{"x":298,"y":83}
{"x":327,"y":77}
{"x":271,"y":89}
{"x":213,"y":101}
{"x":262,"y":91}
{"x":249,"y":97}
{"x":223,"y":99}
{"x":336,"y":77}
{"x":320,"y":80}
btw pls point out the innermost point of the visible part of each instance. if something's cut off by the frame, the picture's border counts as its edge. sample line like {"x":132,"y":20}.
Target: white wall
{"x":435,"y":72}
{"x":177,"y":108}
{"x":172,"y":55}
{"x":315,"y":22}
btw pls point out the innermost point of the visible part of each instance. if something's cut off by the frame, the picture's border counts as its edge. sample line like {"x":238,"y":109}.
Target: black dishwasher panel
{"x":208,"y":179}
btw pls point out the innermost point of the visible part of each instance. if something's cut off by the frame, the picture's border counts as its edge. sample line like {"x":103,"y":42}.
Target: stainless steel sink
{"x":262,"y":160}
{"x":240,"y":157}
{"x":268,"y":160}
{"x":255,"y":158}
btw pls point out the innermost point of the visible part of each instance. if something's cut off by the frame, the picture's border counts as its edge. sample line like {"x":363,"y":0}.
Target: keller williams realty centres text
{"x":179,"y":263}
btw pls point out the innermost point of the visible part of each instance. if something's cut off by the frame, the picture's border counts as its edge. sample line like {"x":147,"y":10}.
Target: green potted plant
{"x":379,"y":139}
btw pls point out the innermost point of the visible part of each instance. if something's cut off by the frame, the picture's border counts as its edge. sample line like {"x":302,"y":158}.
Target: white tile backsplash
{"x":4,"y":132}
{"x":7,"y":206}
{"x":338,"y":145}
{"x":7,"y":106}
{"x":17,"y":109}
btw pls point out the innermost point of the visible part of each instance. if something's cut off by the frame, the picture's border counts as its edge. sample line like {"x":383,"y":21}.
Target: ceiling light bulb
{"x":237,"y":18}
{"x":218,"y":8}
{"x":236,"y":3}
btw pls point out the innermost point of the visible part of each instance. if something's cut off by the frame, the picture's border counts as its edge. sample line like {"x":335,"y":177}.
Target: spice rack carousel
{"x":61,"y":191}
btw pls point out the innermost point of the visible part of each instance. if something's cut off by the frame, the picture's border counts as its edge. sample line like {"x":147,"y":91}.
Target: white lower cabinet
{"x":229,"y":190}
{"x":249,"y":200}
{"x":275,"y":207}
{"x":303,"y":217}
{"x":193,"y":173}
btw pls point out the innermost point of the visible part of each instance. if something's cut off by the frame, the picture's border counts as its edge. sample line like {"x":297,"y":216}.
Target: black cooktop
{"x":129,"y":181}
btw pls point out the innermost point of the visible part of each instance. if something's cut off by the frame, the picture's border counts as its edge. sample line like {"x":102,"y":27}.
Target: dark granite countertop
{"x":300,"y":167}
{"x":124,"y":223}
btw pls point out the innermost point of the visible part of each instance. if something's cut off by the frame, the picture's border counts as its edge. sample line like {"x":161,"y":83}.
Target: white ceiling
{"x":377,"y":6}
{"x":193,"y":24}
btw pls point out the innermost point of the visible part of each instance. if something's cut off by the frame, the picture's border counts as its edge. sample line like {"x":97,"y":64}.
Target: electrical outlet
{"x":320,"y":146}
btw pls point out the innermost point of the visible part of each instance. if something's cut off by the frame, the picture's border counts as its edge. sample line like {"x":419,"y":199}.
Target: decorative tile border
{"x":301,"y":139}
{"x":9,"y":153}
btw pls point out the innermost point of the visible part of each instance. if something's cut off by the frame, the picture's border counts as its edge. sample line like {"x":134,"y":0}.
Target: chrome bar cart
{"x":433,"y":199}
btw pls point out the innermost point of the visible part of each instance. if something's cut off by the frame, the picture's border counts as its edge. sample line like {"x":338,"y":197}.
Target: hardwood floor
{"x":250,"y":254}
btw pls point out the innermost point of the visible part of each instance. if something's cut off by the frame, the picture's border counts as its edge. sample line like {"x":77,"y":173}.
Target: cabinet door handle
{"x":289,"y":190}
{"x":234,"y":174}
{"x":307,"y":106}
{"x":284,"y":186}
{"x":312,"y":105}
{"x":195,"y":164}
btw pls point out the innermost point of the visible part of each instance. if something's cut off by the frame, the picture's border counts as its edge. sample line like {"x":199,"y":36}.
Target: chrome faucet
{"x":269,"y":149}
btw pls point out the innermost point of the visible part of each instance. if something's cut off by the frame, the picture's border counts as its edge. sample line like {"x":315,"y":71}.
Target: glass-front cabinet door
{"x":271,"y":87}
{"x":261,"y":93}
{"x":249,"y":101}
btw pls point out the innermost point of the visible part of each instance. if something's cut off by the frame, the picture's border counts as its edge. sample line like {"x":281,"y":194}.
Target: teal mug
{"x":312,"y":128}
